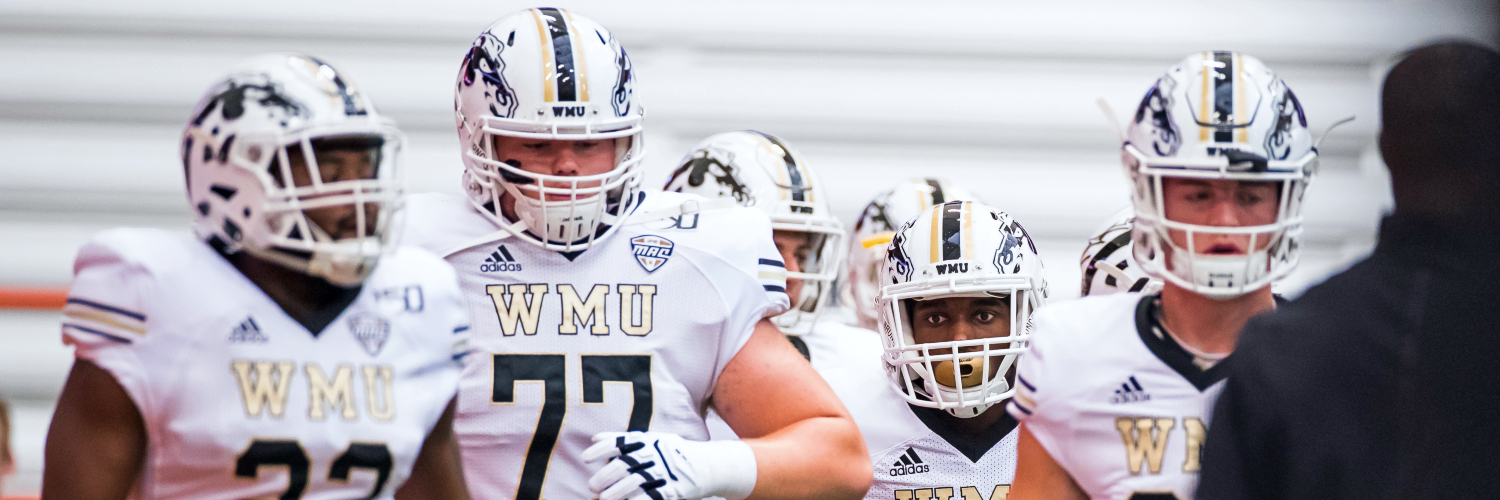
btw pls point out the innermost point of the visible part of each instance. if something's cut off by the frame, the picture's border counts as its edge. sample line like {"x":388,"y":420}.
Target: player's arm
{"x":805,"y":443}
{"x":96,"y":444}
{"x":799,"y":442}
{"x":439,"y":472}
{"x":1038,"y":476}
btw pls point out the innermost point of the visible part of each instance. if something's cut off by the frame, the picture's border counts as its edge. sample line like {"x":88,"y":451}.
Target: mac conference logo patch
{"x":651,"y":251}
{"x":371,"y":331}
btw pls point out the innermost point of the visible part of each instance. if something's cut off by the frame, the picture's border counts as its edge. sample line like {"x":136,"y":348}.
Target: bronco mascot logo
{"x":717,"y":163}
{"x":484,"y":66}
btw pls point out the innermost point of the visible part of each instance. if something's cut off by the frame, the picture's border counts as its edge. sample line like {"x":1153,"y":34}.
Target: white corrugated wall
{"x":997,"y":95}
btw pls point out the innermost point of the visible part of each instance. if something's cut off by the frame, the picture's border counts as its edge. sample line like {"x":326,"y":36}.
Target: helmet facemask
{"x":329,"y":218}
{"x":981,"y":373}
{"x":559,"y":212}
{"x":1270,"y":250}
{"x":818,"y":262}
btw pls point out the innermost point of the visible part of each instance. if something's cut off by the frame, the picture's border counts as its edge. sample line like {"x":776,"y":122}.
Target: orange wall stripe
{"x":32,"y":298}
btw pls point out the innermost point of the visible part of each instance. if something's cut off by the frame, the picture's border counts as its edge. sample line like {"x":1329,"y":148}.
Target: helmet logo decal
{"x":231,"y":103}
{"x":715,"y":162}
{"x":624,"y":82}
{"x":875,"y":214}
{"x":1165,"y":139}
{"x":484,"y":65}
{"x":897,"y":253}
{"x":1279,"y":141}
{"x":561,"y":69}
{"x":1012,"y":235}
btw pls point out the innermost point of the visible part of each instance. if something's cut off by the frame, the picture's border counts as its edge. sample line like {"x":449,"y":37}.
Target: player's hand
{"x":661,"y":466}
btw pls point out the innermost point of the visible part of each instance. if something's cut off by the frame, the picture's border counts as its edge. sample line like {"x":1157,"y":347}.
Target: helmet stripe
{"x":1242,"y":114}
{"x":562,"y":55}
{"x":549,"y":92}
{"x":1203,"y":104}
{"x":953,"y":221}
{"x":1224,"y":77}
{"x":582,"y":60}
{"x":937,"y":191}
{"x":968,"y":231}
{"x":935,"y":253}
{"x":797,"y":181}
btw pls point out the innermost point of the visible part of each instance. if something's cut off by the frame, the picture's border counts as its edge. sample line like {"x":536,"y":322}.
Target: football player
{"x":1108,"y":262}
{"x":1114,"y":393}
{"x":614,"y":317}
{"x":960,"y":282}
{"x":269,"y":356}
{"x":7,"y":459}
{"x":762,"y":171}
{"x":873,"y":231}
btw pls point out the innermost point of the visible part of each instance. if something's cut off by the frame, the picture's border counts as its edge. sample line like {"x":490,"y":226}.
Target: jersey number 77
{"x":550,"y":371}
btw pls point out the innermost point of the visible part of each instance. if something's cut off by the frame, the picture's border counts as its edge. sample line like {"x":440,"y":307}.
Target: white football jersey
{"x":1115,"y":401}
{"x":630,"y":334}
{"x":845,"y":356}
{"x":918,"y":455}
{"x":240,"y":400}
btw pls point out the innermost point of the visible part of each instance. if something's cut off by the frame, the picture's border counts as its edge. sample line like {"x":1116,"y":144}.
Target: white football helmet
{"x":957,"y":249}
{"x":876,"y":226}
{"x":1219,"y":115}
{"x":1108,"y":261}
{"x":236,"y":155}
{"x":546,"y":73}
{"x":761,"y":171}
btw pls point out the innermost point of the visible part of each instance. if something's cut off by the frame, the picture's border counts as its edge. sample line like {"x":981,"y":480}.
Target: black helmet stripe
{"x":937,"y":191}
{"x":562,"y":54}
{"x":1223,"y":96}
{"x":953,"y":213}
{"x":798,"y":185}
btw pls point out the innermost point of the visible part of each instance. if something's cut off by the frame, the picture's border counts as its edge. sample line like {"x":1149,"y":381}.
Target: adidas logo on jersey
{"x":248,"y":332}
{"x":909,"y":464}
{"x":499,"y":261}
{"x":1129,"y":392}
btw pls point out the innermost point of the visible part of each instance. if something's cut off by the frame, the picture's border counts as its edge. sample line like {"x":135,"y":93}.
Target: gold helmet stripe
{"x":1206,"y":103}
{"x":549,"y":70}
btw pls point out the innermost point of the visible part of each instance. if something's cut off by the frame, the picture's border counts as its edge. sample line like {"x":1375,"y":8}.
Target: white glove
{"x":662,"y":466}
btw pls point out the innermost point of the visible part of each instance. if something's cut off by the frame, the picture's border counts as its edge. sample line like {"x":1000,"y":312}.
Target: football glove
{"x":662,"y":466}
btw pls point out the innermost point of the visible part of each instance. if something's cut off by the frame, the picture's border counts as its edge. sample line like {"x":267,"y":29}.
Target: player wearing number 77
{"x":609,"y":311}
{"x":270,"y":356}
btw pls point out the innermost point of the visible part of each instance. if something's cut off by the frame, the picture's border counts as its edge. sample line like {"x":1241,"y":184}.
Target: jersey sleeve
{"x":1039,"y":380}
{"x":105,"y":317}
{"x":747,"y":272}
{"x":455,"y":314}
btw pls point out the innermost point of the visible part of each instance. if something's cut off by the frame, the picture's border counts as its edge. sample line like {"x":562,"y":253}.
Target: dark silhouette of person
{"x":1384,"y":381}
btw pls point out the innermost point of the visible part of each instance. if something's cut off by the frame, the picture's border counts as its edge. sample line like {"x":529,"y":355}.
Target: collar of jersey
{"x":973,"y":447}
{"x":1169,"y":352}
